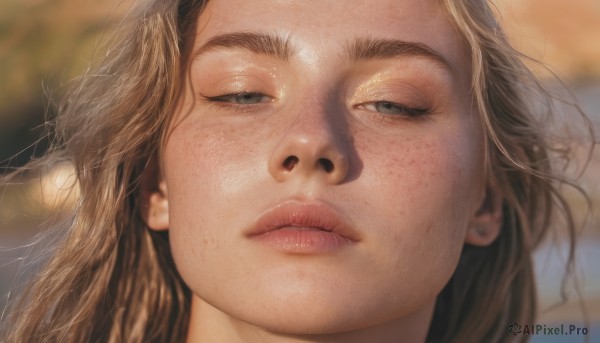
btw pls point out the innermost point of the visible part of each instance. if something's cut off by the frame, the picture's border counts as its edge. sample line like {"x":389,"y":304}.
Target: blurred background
{"x":46,"y":43}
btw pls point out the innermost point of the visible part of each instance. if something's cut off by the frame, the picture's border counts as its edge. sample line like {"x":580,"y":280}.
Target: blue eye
{"x":392,"y":108}
{"x":244,"y":98}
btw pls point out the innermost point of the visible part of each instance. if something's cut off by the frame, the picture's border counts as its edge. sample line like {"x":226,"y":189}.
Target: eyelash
{"x":229,"y":100}
{"x":404,"y":111}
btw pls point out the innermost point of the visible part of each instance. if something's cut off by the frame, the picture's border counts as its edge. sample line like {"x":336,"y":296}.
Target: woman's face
{"x":325,"y":164}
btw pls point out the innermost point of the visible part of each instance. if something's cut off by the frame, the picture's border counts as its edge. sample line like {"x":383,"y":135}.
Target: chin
{"x":312,"y":322}
{"x":318,"y":314}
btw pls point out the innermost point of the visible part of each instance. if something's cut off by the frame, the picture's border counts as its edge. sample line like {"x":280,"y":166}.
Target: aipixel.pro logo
{"x":547,"y":330}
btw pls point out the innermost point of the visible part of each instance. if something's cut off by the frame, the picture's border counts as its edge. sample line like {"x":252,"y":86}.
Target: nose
{"x":312,"y":146}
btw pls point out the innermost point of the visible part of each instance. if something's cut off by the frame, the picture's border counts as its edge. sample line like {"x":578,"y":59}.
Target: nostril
{"x":327,"y":164}
{"x":290,"y":162}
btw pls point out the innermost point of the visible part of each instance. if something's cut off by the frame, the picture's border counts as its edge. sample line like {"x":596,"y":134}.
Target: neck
{"x":209,"y":324}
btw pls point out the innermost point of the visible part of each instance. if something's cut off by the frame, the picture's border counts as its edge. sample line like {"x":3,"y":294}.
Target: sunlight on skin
{"x":381,"y":146}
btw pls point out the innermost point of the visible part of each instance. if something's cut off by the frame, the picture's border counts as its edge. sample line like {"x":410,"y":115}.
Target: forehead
{"x":315,"y":27}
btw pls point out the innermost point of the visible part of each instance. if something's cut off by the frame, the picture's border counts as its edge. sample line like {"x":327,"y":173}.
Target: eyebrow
{"x":258,"y":43}
{"x":357,"y":50}
{"x":370,"y":48}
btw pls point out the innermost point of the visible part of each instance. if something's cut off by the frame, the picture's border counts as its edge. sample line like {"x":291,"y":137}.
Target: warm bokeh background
{"x":46,"y":43}
{"x":563,"y":34}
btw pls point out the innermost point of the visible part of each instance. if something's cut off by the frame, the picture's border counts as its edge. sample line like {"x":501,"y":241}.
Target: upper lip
{"x":303,"y":214}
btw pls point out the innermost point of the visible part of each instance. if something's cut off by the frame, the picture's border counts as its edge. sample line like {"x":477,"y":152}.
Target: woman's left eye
{"x":392,"y":108}
{"x":243,"y":98}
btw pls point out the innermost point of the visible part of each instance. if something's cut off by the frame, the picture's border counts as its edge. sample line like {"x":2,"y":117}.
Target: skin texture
{"x":412,"y":187}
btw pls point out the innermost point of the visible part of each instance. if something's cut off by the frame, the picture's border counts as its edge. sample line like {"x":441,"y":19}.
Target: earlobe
{"x":157,"y":216}
{"x":154,"y":208}
{"x":486,"y":223}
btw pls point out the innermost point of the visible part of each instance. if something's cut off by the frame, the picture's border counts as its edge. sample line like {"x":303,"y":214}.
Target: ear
{"x":154,"y":207}
{"x":486,"y":223}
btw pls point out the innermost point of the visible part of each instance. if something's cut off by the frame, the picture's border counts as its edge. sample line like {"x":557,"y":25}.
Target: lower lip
{"x":304,"y":240}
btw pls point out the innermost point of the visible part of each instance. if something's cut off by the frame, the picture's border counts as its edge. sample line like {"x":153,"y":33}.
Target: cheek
{"x":438,"y":167}
{"x":194,"y":162}
{"x":207,"y":166}
{"x":206,"y":159}
{"x":426,"y":191}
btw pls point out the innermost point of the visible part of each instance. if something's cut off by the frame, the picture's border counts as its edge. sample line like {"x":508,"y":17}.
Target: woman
{"x":277,"y":171}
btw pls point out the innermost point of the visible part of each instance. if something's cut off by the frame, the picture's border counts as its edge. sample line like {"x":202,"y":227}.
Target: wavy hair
{"x":113,"y":280}
{"x":494,"y":286}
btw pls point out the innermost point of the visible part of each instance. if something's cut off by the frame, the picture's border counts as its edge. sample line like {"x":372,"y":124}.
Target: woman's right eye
{"x":243,"y":98}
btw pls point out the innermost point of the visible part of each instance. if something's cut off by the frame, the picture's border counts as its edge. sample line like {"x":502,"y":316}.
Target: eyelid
{"x":218,"y":102}
{"x":390,"y":91}
{"x":407,"y":99}
{"x":223,"y":97}
{"x":408,"y":111}
{"x":229,"y":76}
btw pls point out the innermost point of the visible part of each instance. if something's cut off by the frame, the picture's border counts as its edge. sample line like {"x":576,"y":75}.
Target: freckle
{"x":393,"y":163}
{"x":429,"y":228}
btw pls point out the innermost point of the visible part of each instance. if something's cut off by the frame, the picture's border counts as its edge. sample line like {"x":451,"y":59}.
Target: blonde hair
{"x":112,"y":279}
{"x":494,"y":286}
